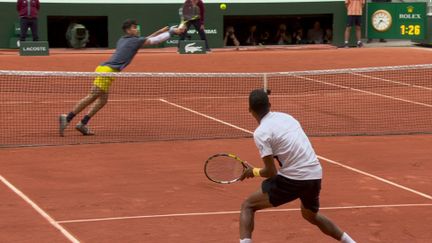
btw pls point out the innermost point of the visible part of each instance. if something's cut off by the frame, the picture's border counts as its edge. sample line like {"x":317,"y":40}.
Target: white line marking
{"x":392,"y":81}
{"x":206,"y":116}
{"x":377,"y":178}
{"x":234,"y":212}
{"x":45,"y":215}
{"x":321,"y":157}
{"x":366,"y":92}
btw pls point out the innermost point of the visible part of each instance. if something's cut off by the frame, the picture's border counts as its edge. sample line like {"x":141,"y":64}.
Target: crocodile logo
{"x":191,"y":48}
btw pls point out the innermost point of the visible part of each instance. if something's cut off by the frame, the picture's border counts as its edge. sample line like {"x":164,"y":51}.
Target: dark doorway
{"x":96,"y":25}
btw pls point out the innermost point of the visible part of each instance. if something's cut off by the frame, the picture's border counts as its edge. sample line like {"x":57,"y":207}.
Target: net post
{"x":265,"y":82}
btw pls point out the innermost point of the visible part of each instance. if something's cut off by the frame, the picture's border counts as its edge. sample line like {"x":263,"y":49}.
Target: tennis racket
{"x":188,"y":12}
{"x":225,"y":168}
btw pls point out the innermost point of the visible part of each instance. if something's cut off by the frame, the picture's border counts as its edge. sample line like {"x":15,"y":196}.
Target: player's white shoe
{"x":63,"y":124}
{"x":82,"y":128}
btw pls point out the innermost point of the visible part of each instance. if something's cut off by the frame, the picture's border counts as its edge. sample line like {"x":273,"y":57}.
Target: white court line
{"x":377,"y":178}
{"x":328,"y":160}
{"x":234,"y":212}
{"x":209,"y":117}
{"x":45,"y":215}
{"x":392,"y":81}
{"x":366,"y":92}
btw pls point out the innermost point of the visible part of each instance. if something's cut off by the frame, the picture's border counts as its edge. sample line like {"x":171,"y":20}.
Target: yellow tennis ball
{"x":222,"y":6}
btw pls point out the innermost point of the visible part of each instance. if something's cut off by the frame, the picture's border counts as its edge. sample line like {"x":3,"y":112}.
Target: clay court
{"x":377,"y":188}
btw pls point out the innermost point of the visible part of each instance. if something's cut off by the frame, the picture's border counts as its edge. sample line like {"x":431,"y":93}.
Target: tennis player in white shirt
{"x":279,"y":136}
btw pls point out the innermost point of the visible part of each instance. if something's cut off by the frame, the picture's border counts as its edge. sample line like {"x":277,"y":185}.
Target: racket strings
{"x":224,"y":168}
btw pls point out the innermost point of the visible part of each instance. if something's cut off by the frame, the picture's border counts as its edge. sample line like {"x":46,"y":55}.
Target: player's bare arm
{"x":158,"y":32}
{"x":158,"y":38}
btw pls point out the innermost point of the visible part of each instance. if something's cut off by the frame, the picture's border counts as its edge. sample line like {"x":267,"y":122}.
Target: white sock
{"x":346,"y":42}
{"x":346,"y":238}
{"x":246,"y":240}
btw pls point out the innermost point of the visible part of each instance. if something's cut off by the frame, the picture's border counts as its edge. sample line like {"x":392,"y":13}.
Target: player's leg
{"x":101,"y":101}
{"x":86,"y":101}
{"x":326,"y":225}
{"x":256,"y":201}
{"x":275,"y":191}
{"x":322,"y":222}
{"x":81,"y":105}
{"x":310,"y":207}
{"x":101,"y":85}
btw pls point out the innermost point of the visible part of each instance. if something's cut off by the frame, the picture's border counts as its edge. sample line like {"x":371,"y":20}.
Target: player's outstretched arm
{"x":158,"y":32}
{"x":161,"y":36}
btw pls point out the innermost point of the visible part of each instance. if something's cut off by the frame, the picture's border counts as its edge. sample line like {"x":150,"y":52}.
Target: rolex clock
{"x":381,"y":20}
{"x":397,"y":20}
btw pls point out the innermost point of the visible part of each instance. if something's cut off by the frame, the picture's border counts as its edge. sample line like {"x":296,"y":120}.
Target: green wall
{"x":153,"y":16}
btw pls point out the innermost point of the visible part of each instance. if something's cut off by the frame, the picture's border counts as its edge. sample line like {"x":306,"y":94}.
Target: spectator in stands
{"x":198,"y":23}
{"x":378,"y":1}
{"x":328,"y":36}
{"x":355,"y":12}
{"x":252,"y":39}
{"x":298,"y":37}
{"x":282,"y":36}
{"x":28,"y":13}
{"x":264,"y":38}
{"x":230,"y":38}
{"x":315,"y":35}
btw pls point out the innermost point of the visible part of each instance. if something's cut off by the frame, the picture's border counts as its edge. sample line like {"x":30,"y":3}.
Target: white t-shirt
{"x":281,"y":135}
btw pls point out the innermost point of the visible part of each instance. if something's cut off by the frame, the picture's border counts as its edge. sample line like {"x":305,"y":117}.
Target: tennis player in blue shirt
{"x":126,"y":49}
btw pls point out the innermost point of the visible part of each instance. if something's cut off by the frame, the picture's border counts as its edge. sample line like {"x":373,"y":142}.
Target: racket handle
{"x":248,"y":165}
{"x":182,"y":25}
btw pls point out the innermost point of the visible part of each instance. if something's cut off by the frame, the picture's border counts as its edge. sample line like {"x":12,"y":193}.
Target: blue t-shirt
{"x":127,"y":47}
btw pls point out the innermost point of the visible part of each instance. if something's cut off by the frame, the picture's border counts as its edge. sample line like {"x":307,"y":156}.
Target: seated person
{"x":316,"y":34}
{"x":328,"y":36}
{"x":230,"y":38}
{"x":264,"y":38}
{"x":298,"y":37}
{"x":252,"y":39}
{"x":282,"y":36}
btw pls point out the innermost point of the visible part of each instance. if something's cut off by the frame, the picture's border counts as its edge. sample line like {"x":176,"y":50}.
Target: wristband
{"x":256,"y":172}
{"x":171,"y":31}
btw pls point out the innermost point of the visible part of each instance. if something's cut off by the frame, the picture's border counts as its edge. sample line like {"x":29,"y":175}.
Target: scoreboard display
{"x":397,"y":21}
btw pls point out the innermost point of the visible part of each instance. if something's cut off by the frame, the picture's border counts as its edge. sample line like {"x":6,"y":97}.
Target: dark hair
{"x":259,"y":102}
{"x":128,"y":23}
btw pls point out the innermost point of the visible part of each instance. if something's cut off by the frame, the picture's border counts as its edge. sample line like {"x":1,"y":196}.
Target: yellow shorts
{"x":101,"y":82}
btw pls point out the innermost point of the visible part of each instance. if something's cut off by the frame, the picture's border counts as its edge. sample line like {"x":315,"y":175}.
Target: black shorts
{"x":354,"y":20}
{"x":282,"y":190}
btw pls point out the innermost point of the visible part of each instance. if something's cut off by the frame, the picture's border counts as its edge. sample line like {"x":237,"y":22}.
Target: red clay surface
{"x":235,"y":61}
{"x":153,"y":181}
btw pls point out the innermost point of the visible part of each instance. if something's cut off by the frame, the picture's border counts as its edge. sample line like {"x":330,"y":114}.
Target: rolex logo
{"x":410,"y":14}
{"x":410,"y":9}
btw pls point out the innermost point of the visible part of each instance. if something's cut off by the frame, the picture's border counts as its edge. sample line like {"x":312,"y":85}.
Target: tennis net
{"x":171,"y":106}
